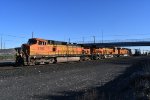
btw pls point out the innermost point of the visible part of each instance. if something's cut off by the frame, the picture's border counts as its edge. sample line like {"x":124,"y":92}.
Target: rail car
{"x":108,"y":52}
{"x":41,"y":51}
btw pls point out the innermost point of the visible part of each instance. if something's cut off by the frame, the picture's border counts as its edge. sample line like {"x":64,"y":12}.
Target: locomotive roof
{"x":44,"y":40}
{"x":54,"y":41}
{"x":37,"y":39}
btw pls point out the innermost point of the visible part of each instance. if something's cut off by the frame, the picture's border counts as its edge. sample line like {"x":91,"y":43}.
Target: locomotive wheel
{"x":52,"y":60}
{"x":32,"y":62}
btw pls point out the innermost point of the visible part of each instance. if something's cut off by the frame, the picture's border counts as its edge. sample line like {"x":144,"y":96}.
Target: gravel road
{"x":35,"y":82}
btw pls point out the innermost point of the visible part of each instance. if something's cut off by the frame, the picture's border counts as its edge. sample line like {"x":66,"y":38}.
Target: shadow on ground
{"x":133,"y":84}
{"x":7,"y":63}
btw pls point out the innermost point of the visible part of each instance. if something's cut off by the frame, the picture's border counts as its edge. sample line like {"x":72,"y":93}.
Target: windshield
{"x":32,"y":41}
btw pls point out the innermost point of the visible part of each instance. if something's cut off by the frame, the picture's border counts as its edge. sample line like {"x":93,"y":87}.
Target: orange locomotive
{"x":112,"y":50}
{"x":41,"y":51}
{"x":47,"y":51}
{"x":108,"y":52}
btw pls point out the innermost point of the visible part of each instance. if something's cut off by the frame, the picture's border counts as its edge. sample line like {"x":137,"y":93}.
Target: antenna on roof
{"x":32,"y":34}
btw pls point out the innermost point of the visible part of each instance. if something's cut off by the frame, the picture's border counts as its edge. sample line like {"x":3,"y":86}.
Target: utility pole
{"x":83,"y":39}
{"x":1,"y":42}
{"x":4,"y":45}
{"x":102,"y":36}
{"x":68,"y":49}
{"x":69,"y":40}
{"x":102,"y":44}
{"x":94,"y":38}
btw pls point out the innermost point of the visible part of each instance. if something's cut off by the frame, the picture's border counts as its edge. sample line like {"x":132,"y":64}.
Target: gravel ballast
{"x":59,"y":81}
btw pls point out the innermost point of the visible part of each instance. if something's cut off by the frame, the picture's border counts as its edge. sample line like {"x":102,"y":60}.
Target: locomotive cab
{"x":35,"y":47}
{"x":36,"y":41}
{"x":32,"y":41}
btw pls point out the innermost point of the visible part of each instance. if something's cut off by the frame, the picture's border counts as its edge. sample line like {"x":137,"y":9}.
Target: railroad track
{"x":11,"y":64}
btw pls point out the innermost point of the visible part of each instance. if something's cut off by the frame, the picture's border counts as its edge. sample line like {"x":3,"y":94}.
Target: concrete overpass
{"x":126,"y":43}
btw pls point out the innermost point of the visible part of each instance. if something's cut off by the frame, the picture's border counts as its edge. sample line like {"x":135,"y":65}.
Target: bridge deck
{"x":122,"y":44}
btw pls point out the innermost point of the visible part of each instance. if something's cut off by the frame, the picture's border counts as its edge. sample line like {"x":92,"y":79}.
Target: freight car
{"x":41,"y":51}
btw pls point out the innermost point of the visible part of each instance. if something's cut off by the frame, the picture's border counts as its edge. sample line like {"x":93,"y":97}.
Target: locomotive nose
{"x":25,"y":48}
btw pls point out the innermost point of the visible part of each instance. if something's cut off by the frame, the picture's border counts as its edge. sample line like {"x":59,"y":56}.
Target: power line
{"x":12,"y":36}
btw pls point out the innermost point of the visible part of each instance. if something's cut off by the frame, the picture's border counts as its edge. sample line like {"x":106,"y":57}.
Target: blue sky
{"x":74,"y":19}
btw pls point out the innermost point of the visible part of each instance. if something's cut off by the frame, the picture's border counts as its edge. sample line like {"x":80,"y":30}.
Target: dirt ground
{"x":59,"y":81}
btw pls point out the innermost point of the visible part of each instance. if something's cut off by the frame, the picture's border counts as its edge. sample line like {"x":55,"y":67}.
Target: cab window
{"x":41,"y":43}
